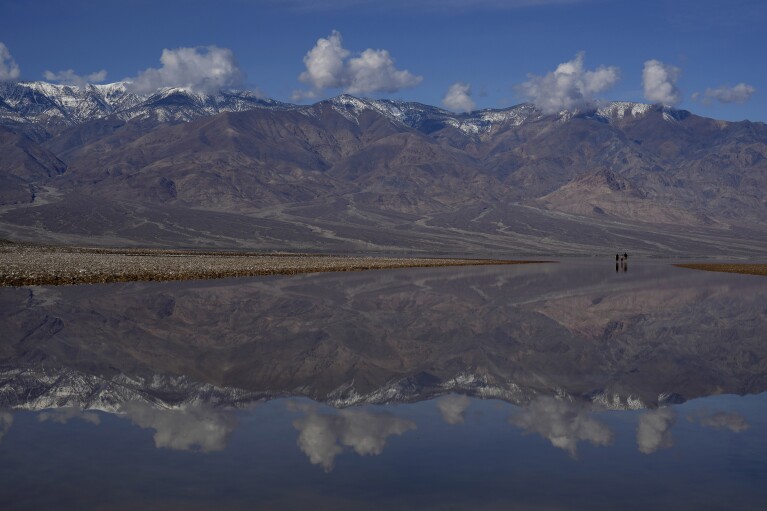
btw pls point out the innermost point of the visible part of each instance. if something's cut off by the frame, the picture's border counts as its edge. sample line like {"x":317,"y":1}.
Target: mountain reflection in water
{"x":433,"y":382}
{"x":656,"y":335}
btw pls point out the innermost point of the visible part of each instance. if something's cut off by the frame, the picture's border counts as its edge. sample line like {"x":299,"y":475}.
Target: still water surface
{"x":558,"y":386}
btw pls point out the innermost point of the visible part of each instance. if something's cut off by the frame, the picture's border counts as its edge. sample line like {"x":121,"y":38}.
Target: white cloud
{"x":330,"y":66}
{"x":654,"y":430}
{"x":564,"y":424}
{"x":322,"y":436}
{"x":738,"y":94}
{"x":9,"y":70}
{"x":659,"y":82}
{"x":205,"y":69}
{"x":324,"y":63}
{"x":64,"y":415}
{"x":453,"y":408}
{"x":302,"y":95}
{"x":725,"y":420}
{"x":568,"y":86}
{"x":6,"y":420}
{"x":192,"y":428}
{"x":69,"y":77}
{"x":374,"y":71}
{"x":458,"y":98}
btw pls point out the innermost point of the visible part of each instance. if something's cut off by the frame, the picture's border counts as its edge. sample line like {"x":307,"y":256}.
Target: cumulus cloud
{"x":325,"y":63}
{"x":6,"y":421}
{"x":322,"y":437}
{"x":725,"y":94}
{"x":735,"y":422}
{"x":204,"y":69}
{"x":659,"y":82}
{"x":458,"y":98}
{"x":562,"y":423}
{"x":374,"y":71}
{"x":69,"y":77}
{"x":193,"y":428}
{"x":64,"y":415}
{"x":569,"y":86}
{"x":654,"y":430}
{"x":331,"y":66}
{"x":453,"y":408}
{"x":9,"y":70}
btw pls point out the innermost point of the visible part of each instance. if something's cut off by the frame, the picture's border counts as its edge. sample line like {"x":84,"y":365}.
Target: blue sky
{"x":493,"y":53}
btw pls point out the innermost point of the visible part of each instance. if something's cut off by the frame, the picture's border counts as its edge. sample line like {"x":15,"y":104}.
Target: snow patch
{"x":621,"y":109}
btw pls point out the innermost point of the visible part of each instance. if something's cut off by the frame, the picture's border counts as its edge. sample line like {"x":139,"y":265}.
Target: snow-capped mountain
{"x":50,"y":105}
{"x":43,"y":108}
{"x":175,"y":104}
{"x":29,"y":389}
{"x":428,"y":119}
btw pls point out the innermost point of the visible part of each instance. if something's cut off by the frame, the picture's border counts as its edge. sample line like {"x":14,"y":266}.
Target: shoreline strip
{"x":743,"y":268}
{"x":29,"y":266}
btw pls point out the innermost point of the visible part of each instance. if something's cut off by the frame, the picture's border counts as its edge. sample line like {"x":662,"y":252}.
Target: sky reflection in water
{"x":705,"y":454}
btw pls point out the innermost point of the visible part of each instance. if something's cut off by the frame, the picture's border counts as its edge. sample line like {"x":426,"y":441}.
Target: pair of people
{"x":621,"y":262}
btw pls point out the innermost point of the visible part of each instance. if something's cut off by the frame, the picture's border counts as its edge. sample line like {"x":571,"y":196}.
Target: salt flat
{"x":22,"y":265}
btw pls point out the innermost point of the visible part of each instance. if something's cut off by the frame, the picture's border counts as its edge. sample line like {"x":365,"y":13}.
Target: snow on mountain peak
{"x":43,"y":106}
{"x":622,"y":109}
{"x":415,"y":115}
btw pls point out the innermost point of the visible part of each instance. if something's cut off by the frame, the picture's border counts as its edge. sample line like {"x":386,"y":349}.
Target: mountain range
{"x":101,"y":165}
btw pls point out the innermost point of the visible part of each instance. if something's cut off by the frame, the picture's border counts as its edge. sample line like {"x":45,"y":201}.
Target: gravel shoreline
{"x":22,"y":265}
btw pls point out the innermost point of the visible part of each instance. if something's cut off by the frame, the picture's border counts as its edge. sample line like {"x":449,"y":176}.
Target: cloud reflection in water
{"x":735,"y":422}
{"x":654,"y":430}
{"x":191,"y":428}
{"x":562,"y":423}
{"x":65,"y":414}
{"x":323,"y":436}
{"x":6,"y":421}
{"x":453,"y":408}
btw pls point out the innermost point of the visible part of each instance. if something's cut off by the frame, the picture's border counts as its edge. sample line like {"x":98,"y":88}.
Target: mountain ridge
{"x":25,"y":102}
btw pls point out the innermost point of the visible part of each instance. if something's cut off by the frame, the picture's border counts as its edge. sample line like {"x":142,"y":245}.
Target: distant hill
{"x":101,"y":165}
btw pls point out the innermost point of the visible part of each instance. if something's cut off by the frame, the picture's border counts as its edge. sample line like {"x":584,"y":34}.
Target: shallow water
{"x":558,"y":386}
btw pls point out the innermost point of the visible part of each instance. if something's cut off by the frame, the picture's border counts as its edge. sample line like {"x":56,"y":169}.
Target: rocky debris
{"x":25,"y":265}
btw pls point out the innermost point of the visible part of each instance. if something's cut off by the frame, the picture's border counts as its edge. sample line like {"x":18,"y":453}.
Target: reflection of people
{"x":622,"y":262}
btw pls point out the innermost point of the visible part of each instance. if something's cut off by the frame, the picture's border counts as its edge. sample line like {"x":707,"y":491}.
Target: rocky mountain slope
{"x":178,"y":168}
